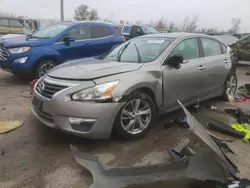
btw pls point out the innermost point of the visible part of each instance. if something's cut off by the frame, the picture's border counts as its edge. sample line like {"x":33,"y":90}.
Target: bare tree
{"x":93,"y":15}
{"x":161,"y":24}
{"x":192,"y":24}
{"x":83,"y":13}
{"x":184,"y":24}
{"x":235,"y":25}
{"x":171,"y":26}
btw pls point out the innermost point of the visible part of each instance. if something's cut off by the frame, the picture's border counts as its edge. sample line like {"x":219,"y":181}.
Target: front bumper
{"x":19,"y":68}
{"x":55,"y":113}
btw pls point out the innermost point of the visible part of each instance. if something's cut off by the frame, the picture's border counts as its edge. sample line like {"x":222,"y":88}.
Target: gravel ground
{"x":36,"y":156}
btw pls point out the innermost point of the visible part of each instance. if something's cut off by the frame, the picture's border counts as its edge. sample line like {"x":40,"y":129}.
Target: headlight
{"x":98,"y":92}
{"x":19,"y":50}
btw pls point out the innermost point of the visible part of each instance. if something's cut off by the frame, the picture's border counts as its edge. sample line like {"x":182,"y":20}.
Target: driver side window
{"x":79,"y":33}
{"x":188,"y":48}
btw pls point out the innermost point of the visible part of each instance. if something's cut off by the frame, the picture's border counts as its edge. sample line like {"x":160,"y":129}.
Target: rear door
{"x":185,"y":83}
{"x":102,"y":40}
{"x":217,"y":65}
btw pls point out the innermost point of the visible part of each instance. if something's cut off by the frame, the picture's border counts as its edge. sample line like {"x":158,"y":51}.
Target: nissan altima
{"x":122,"y":92}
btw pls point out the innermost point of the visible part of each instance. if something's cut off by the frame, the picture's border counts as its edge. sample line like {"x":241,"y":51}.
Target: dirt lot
{"x":36,"y":156}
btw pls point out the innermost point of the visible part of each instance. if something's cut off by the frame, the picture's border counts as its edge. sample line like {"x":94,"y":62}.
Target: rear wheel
{"x":230,"y":85}
{"x":43,"y":67}
{"x":135,"y":118}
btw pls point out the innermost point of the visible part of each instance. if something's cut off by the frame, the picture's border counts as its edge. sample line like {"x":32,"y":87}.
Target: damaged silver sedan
{"x":123,"y":91}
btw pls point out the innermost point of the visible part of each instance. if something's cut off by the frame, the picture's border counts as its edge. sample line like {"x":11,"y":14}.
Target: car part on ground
{"x":224,"y":128}
{"x":208,"y":163}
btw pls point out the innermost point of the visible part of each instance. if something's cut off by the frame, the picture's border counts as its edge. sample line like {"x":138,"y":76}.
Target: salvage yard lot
{"x":36,"y":156}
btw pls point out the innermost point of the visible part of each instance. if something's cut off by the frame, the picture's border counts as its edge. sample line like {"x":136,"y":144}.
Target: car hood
{"x":18,"y":41}
{"x":87,"y":69}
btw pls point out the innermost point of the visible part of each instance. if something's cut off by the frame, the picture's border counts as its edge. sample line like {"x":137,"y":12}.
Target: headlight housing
{"x":19,"y":49}
{"x":97,"y":93}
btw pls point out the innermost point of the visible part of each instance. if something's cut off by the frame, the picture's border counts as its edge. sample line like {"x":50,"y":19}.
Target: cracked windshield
{"x":124,"y":94}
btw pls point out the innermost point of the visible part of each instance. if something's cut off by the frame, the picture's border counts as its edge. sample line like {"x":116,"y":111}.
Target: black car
{"x":131,"y":31}
{"x":242,"y":47}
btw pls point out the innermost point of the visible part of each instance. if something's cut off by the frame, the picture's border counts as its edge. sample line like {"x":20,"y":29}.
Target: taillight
{"x":123,"y":39}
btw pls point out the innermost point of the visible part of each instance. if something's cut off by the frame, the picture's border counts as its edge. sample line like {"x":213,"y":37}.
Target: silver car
{"x":123,"y":91}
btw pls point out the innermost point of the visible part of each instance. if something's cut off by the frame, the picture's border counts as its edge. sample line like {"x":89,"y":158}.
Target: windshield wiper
{"x":138,"y":53}
{"x":120,"y":52}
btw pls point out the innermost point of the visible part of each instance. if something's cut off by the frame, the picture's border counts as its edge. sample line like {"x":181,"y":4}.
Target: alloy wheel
{"x":136,"y":116}
{"x":45,"y":68}
{"x":231,"y":85}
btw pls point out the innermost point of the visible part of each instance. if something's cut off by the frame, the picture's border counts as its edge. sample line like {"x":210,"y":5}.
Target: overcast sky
{"x":212,"y":13}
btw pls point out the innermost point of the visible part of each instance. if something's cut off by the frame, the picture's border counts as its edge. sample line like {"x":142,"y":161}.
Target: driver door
{"x":184,"y":83}
{"x":80,"y":47}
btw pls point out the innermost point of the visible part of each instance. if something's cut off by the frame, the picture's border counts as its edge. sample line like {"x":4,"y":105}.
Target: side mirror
{"x":175,"y":60}
{"x":68,"y":39}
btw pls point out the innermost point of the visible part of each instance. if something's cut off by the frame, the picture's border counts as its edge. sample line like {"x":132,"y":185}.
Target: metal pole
{"x":62,"y":10}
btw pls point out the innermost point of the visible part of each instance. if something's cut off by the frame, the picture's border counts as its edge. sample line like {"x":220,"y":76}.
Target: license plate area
{"x":37,"y":103}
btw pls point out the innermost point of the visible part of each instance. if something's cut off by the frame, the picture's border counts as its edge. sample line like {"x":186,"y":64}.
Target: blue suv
{"x":35,"y":54}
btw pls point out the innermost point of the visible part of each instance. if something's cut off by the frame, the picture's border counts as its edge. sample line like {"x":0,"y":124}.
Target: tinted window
{"x":80,"y":33}
{"x":117,"y":31}
{"x":188,"y":48}
{"x":148,"y":48}
{"x":210,"y":47}
{"x":100,"y":31}
{"x":126,"y":29}
{"x":148,"y":30}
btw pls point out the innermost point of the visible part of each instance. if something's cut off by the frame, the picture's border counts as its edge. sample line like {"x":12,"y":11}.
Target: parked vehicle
{"x":39,"y":52}
{"x":242,"y":47}
{"x":131,"y":31}
{"x":123,"y":92}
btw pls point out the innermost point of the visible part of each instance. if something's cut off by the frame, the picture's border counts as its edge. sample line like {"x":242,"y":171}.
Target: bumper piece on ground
{"x":208,"y":163}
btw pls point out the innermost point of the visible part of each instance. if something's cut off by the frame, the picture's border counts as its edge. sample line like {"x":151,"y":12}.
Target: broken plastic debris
{"x":6,"y":126}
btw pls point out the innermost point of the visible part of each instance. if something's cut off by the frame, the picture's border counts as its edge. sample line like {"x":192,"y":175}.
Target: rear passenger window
{"x":100,"y":31}
{"x":188,"y":48}
{"x":79,"y":33}
{"x":224,"y":49}
{"x":210,"y":47}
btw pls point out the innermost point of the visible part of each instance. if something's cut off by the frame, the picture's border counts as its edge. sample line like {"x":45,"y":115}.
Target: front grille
{"x":48,"y":89}
{"x":4,"y":54}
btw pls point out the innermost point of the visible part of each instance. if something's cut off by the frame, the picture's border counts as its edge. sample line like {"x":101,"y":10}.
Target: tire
{"x":227,"y":86}
{"x":133,"y":120}
{"x":42,"y":66}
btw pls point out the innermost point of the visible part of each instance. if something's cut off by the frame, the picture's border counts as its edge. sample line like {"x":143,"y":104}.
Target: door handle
{"x":201,"y":67}
{"x":226,"y":61}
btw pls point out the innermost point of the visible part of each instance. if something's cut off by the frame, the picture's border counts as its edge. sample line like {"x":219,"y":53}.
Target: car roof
{"x":107,"y":24}
{"x":175,"y":35}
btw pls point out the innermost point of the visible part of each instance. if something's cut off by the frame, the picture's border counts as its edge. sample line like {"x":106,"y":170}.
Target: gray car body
{"x":198,"y":79}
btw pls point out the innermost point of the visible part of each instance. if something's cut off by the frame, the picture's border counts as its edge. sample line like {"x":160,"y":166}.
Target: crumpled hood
{"x":19,"y":41}
{"x":91,"y":68}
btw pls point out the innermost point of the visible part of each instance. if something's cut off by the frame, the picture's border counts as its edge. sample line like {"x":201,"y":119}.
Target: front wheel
{"x":135,"y":118}
{"x":43,"y":67}
{"x":230,"y":85}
